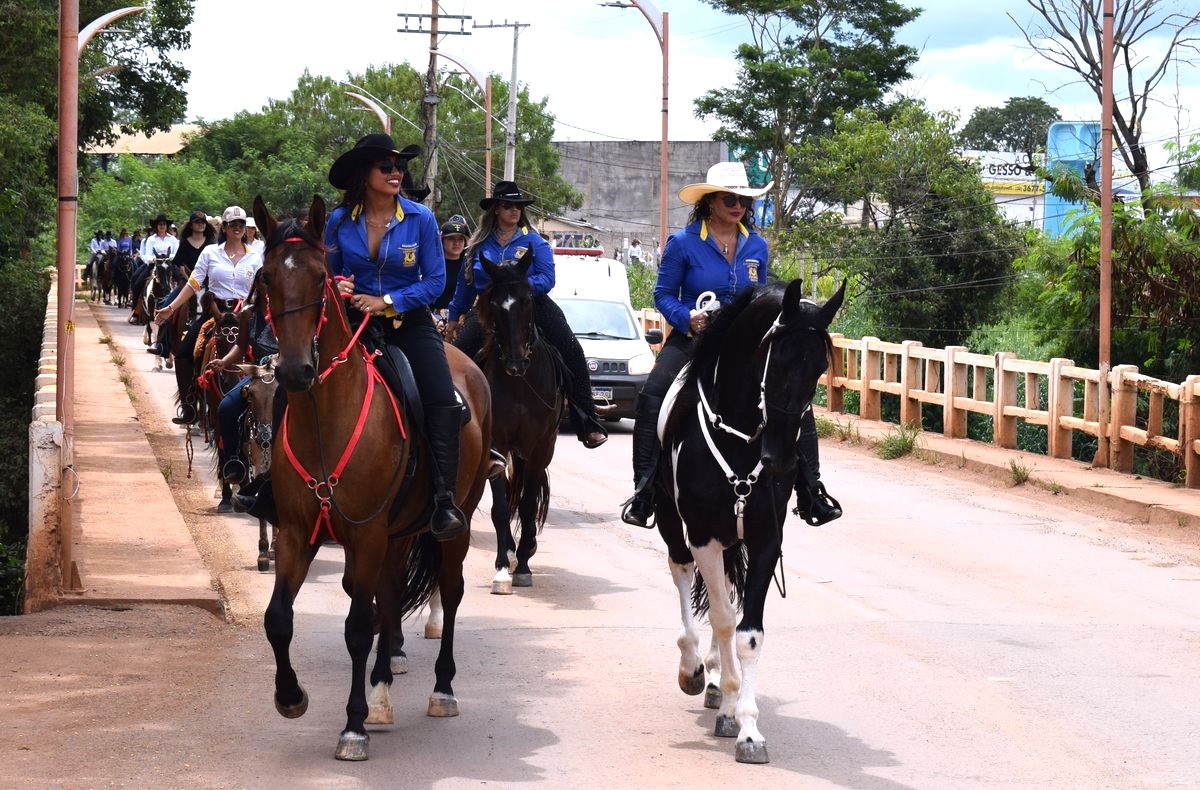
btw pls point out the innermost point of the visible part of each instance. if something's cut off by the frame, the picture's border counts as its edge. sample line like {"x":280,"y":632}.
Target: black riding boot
{"x":442,"y":427}
{"x":813,"y":502}
{"x":639,"y":509}
{"x":257,"y":499}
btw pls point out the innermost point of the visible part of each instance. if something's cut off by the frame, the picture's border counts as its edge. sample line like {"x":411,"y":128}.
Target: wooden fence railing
{"x":1058,"y":395}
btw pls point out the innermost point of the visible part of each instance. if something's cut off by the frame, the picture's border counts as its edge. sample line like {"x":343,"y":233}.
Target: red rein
{"x":323,"y":489}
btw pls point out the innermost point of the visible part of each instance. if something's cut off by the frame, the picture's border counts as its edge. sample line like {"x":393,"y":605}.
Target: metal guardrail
{"x":1057,"y":394}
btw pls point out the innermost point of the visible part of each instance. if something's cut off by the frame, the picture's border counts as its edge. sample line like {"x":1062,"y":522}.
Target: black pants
{"x":671,"y":359}
{"x":418,"y":337}
{"x":554,"y":327}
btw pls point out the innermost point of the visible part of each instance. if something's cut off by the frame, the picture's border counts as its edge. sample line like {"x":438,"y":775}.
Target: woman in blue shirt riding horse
{"x":719,"y":252}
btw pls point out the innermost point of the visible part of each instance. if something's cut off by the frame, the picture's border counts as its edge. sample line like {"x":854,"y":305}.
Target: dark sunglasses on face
{"x":505,"y":205}
{"x":235,"y":223}
{"x":732,"y":200}
{"x":388,"y":166}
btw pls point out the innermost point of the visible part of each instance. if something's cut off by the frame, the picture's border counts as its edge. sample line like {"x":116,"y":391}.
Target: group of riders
{"x":391,"y":259}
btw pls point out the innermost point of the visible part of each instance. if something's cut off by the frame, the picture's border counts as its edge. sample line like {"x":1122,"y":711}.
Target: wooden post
{"x":1004,"y":393}
{"x":1060,"y":402}
{"x":910,"y":373}
{"x":836,"y":395}
{"x":954,"y":419}
{"x":1189,"y":429}
{"x":869,"y":407}
{"x":1124,"y":412}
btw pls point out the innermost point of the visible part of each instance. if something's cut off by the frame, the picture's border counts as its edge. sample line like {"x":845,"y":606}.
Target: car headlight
{"x":641,"y":364}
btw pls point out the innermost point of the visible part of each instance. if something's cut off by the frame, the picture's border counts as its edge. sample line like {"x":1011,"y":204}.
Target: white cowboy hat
{"x":723,"y":177}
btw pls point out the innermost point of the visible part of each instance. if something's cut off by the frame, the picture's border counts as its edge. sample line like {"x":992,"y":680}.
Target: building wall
{"x":619,"y":181}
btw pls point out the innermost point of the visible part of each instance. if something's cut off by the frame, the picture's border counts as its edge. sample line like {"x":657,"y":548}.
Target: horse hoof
{"x":754,"y":752}
{"x":380,"y":714}
{"x":399,"y":665}
{"x":442,"y":706}
{"x":502,"y":587}
{"x":264,"y":564}
{"x":727,"y":727}
{"x":293,"y":711}
{"x":712,"y":697}
{"x":352,"y":746}
{"x":522,"y":580}
{"x":692,"y":684}
{"x":433,"y":630}
{"x":226,"y":506}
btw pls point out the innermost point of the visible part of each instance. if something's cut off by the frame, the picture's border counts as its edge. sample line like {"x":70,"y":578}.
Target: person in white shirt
{"x":252,"y":240}
{"x":635,"y":251}
{"x":226,"y":270}
{"x":162,"y":244}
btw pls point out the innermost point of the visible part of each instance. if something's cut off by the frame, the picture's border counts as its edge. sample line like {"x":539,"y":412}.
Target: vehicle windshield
{"x":595,"y":318}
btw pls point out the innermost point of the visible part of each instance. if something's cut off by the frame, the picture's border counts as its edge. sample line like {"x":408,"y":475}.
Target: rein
{"x":323,"y":488}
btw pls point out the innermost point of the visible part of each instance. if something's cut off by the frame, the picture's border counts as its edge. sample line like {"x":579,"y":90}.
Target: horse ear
{"x":791,"y":299}
{"x":316,"y":217}
{"x":263,"y":218}
{"x":488,"y":267}
{"x":830,"y":308}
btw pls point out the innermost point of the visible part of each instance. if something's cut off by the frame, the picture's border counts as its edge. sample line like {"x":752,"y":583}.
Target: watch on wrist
{"x":387,"y":300}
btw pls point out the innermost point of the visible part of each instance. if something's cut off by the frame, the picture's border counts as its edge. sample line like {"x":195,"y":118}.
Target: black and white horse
{"x":728,"y":465}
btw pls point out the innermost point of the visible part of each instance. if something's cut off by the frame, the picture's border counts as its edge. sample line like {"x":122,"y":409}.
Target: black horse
{"x":524,"y":371}
{"x":728,"y":465}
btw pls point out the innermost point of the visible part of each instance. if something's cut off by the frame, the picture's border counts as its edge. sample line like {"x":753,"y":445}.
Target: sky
{"x":601,"y":67}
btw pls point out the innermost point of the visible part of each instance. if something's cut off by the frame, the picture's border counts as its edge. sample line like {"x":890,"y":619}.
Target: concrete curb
{"x":132,"y":545}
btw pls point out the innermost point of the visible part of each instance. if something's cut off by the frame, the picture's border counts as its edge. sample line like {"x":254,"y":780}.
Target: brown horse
{"x":214,"y":386}
{"x":523,"y":370}
{"x":257,"y":438}
{"x":347,"y":463}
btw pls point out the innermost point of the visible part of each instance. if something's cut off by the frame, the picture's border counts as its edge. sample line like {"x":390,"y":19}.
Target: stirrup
{"x":636,"y":519}
{"x":821,"y":507}
{"x":497,"y":463}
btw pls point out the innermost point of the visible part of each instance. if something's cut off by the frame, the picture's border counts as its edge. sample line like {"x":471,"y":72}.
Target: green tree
{"x":1020,"y":125}
{"x":932,"y":251}
{"x":808,"y":60}
{"x":284,"y":152}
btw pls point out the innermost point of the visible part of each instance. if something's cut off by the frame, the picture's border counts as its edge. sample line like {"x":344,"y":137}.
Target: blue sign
{"x":1072,"y":144}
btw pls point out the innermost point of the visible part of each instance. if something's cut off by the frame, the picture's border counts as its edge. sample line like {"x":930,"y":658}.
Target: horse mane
{"x":291,"y":228}
{"x":722,"y":328}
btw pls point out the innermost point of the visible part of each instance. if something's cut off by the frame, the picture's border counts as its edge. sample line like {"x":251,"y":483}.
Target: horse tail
{"x":421,"y":573}
{"x":736,"y":561}
{"x":518,"y":480}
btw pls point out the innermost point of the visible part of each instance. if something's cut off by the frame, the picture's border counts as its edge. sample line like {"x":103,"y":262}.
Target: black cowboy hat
{"x":411,"y":190}
{"x":505,"y":192}
{"x":369,"y":148}
{"x":160,"y":218}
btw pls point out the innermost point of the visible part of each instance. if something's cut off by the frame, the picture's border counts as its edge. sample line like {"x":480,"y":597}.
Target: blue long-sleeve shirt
{"x":692,"y":263}
{"x":541,"y":271}
{"x":410,"y":266}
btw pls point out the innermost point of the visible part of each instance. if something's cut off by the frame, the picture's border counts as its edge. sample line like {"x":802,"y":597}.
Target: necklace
{"x":385,"y":225}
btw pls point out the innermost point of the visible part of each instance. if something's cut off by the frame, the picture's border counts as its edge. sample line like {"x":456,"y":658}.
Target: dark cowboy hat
{"x":455,"y":226}
{"x":414,"y":192}
{"x":369,"y":148}
{"x":160,"y":218}
{"x":505,"y":192}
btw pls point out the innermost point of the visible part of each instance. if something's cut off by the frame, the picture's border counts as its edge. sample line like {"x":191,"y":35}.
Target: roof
{"x":158,"y":144}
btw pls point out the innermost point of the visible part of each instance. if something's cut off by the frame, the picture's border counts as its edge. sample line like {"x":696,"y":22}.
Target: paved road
{"x":946,"y":633}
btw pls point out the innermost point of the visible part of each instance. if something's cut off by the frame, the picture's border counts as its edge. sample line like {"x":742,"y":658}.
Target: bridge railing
{"x":1059,"y":395}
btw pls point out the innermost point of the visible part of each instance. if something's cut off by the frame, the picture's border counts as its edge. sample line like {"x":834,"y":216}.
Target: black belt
{"x":225,"y":305}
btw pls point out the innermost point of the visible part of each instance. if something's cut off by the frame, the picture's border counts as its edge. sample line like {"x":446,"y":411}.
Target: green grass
{"x":106,"y":340}
{"x":1019,"y":472}
{"x":898,"y":443}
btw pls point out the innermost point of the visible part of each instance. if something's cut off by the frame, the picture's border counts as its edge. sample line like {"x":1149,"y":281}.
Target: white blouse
{"x":226,"y":279}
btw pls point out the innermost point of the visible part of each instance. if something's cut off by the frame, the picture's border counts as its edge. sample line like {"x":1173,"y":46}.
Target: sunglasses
{"x":732,"y":200}
{"x":235,"y":223}
{"x":388,"y":166}
{"x":505,"y":205}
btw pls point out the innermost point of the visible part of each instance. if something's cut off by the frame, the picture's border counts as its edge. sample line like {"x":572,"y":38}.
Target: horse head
{"x":795,"y":351}
{"x":260,"y":398}
{"x":161,"y":276}
{"x":295,"y":277}
{"x":506,"y":311}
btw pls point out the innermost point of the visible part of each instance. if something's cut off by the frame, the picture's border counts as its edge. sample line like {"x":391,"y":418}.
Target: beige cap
{"x":233,"y":213}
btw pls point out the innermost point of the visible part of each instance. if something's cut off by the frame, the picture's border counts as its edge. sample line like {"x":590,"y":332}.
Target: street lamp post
{"x":660,"y":21}
{"x":485,"y":85}
{"x":71,"y":41}
{"x":385,"y":120}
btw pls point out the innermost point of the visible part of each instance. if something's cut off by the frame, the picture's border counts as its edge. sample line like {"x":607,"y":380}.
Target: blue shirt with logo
{"x":541,"y":271}
{"x":410,"y":265}
{"x":692,"y":263}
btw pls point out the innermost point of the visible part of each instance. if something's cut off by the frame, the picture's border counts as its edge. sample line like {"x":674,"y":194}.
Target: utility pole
{"x":432,"y":97}
{"x":510,"y":133}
